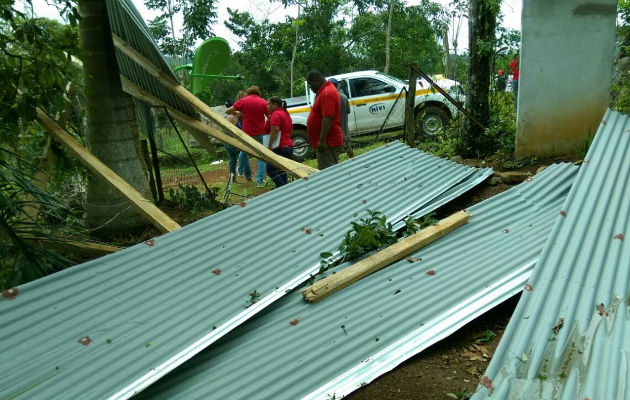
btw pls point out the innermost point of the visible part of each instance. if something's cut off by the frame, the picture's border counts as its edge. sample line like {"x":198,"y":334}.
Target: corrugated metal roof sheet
{"x":569,"y":338}
{"x":112,"y":326}
{"x":328,"y":349}
{"x":127,"y":23}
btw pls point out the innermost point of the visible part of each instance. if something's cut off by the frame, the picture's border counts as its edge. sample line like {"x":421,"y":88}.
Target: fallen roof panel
{"x":127,"y":23}
{"x":328,"y":349}
{"x":569,"y":337}
{"x":112,"y":326}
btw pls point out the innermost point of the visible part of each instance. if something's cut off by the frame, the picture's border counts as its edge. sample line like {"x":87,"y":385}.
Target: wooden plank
{"x":192,"y":100}
{"x":71,"y":246}
{"x":200,"y":131}
{"x":395,"y":252}
{"x":157,"y":217}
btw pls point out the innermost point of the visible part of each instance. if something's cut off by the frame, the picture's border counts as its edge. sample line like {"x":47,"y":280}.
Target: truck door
{"x":343,"y":88}
{"x":371,"y":100}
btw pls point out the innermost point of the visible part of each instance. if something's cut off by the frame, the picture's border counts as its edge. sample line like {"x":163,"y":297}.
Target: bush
{"x":190,"y":198}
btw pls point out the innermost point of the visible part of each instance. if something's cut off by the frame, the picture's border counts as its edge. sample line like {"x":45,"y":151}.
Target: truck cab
{"x":377,"y":102}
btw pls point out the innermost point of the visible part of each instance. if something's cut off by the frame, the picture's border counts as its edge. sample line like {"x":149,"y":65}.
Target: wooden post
{"x":157,"y":217}
{"x":363,"y":268}
{"x":144,"y":150}
{"x":410,"y":111}
{"x":150,"y":125}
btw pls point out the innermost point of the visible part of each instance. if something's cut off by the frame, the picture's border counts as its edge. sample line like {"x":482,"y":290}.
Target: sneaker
{"x":260,"y":184}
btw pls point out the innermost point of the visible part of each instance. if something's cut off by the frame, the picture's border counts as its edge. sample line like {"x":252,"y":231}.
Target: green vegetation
{"x":371,"y":233}
{"x":190,"y":198}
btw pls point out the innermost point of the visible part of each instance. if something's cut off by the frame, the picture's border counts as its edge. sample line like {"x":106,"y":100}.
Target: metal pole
{"x":448,"y":97}
{"x":410,"y":112}
{"x":154,"y":156}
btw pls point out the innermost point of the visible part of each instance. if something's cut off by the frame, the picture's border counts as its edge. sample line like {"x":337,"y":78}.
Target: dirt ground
{"x":453,"y":365}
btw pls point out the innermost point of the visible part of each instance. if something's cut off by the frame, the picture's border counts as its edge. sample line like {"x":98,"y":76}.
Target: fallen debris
{"x":363,"y":268}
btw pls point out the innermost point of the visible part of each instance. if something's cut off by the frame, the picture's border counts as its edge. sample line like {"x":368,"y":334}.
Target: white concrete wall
{"x":566,"y":66}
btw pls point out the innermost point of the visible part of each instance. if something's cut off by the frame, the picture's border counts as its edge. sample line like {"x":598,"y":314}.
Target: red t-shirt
{"x":254,"y":109}
{"x":281,"y":119}
{"x":327,"y":104}
{"x":514,"y":70}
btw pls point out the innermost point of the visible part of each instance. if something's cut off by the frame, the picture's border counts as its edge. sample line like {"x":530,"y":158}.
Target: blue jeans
{"x":515,"y":90}
{"x":244,"y":168}
{"x":233,"y":156}
{"x":279,"y":176}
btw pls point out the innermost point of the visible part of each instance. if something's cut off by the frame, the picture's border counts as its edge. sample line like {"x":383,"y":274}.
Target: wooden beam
{"x":157,"y":217}
{"x":395,"y":252}
{"x":200,"y":131}
{"x":71,"y":246}
{"x":192,"y":100}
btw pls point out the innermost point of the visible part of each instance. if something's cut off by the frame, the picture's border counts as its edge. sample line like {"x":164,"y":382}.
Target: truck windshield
{"x":392,"y":78}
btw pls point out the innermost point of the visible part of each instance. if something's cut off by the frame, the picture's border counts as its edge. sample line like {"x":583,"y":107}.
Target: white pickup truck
{"x":372,"y":95}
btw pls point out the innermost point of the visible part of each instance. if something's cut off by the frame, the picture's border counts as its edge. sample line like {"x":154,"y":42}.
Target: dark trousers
{"x":279,"y":176}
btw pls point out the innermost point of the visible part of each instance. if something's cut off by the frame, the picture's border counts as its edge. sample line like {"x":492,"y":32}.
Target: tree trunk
{"x":447,"y":51}
{"x":481,"y":26}
{"x":112,"y":132}
{"x":388,"y":35}
{"x":295,"y":46}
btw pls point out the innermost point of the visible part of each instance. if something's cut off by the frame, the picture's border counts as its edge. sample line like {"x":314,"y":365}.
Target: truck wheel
{"x":301,"y":148}
{"x":431,"y":120}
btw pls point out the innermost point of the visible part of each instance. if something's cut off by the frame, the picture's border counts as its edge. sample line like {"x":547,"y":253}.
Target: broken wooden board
{"x":157,"y":217}
{"x":247,"y":141}
{"x":71,"y":246}
{"x":395,"y":252}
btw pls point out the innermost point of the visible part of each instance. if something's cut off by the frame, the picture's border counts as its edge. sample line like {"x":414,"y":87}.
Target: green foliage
{"x":35,"y":56}
{"x":415,"y":225}
{"x":190,"y":198}
{"x":197,"y":17}
{"x":22,"y":261}
{"x":487,"y":336}
{"x":370,"y":233}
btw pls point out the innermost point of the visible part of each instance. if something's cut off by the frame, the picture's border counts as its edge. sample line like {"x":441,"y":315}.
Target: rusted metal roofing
{"x":569,"y":337}
{"x":127,"y":23}
{"x":328,"y":349}
{"x":111,"y":327}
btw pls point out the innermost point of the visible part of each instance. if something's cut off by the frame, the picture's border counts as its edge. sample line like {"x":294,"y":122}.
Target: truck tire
{"x":301,"y":148}
{"x":431,"y":120}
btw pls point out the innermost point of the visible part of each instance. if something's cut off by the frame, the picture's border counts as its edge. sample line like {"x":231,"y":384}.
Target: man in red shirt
{"x":324,"y":121}
{"x":254,"y":110}
{"x":514,"y":71}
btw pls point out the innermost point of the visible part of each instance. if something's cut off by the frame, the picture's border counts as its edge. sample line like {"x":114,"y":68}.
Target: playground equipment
{"x":210,"y":60}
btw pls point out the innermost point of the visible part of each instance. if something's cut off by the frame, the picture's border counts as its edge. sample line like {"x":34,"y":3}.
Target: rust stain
{"x":601,"y":310}
{"x":563,"y":213}
{"x":216,"y":271}
{"x":308,"y":231}
{"x":10,"y":294}
{"x":242,"y":204}
{"x":559,"y":325}
{"x":294,"y":322}
{"x":85,"y":340}
{"x":486,"y":382}
{"x":618,"y":236}
{"x":506,"y":230}
{"x":529,"y":287}
{"x":430,"y":272}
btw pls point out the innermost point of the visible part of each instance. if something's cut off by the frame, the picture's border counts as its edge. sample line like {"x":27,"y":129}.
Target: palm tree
{"x":112,"y":133}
